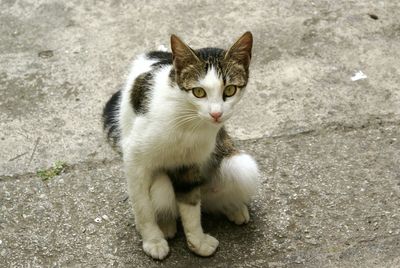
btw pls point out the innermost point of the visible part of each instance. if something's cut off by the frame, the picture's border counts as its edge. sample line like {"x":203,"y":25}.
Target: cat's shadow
{"x":229,"y":235}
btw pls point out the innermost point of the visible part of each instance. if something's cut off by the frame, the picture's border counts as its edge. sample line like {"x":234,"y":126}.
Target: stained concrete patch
{"x":21,"y":96}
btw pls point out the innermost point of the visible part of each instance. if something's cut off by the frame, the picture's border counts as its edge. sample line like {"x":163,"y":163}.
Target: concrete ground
{"x":328,"y":147}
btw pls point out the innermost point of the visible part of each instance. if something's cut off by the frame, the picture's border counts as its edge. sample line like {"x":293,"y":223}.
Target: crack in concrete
{"x":331,"y":127}
{"x":377,"y":122}
{"x":69,"y":168}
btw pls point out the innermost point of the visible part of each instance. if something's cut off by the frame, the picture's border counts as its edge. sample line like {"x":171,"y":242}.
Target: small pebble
{"x":98,"y":220}
{"x":91,"y":229}
{"x":312,"y":241}
{"x":373,"y":16}
{"x":299,"y":260}
{"x":46,"y":54}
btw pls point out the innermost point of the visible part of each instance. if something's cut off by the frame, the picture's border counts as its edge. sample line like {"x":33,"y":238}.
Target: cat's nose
{"x":216,"y":115}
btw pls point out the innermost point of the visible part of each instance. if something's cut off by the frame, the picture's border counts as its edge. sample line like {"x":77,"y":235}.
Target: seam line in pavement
{"x":328,"y":128}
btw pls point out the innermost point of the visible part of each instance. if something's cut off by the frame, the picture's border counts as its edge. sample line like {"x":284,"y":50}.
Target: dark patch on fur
{"x":192,"y":197}
{"x":163,"y":58}
{"x":185,"y":178}
{"x":210,"y":54}
{"x":110,"y":119}
{"x":224,"y":147}
{"x":140,"y":93}
{"x":213,"y":58}
{"x":172,"y":78}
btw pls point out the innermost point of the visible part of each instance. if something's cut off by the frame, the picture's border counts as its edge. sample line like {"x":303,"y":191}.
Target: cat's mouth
{"x":216,"y":121}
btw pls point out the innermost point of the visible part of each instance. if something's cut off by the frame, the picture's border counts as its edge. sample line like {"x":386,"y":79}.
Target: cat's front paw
{"x":156,"y":248}
{"x":239,"y":216}
{"x":205,"y":245}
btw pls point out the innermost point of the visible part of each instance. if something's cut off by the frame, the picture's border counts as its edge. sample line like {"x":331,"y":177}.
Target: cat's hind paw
{"x":204,"y":245}
{"x":156,"y":248}
{"x":239,"y":216}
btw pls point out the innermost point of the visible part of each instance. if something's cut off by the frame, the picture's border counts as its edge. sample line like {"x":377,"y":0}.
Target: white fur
{"x":212,"y":81}
{"x":163,"y":197}
{"x":162,"y":48}
{"x":234,"y":186}
{"x":178,"y":130}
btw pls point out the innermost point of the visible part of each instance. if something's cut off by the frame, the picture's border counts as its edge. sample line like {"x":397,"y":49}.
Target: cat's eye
{"x":198,"y":92}
{"x":229,"y":91}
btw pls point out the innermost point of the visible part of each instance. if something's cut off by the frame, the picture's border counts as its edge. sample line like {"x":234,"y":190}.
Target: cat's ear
{"x":182,"y":54}
{"x":241,"y":50}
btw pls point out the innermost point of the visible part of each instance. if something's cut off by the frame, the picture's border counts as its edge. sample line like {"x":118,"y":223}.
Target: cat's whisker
{"x":194,"y":128}
{"x":182,"y":121}
{"x":182,"y":115}
{"x":199,"y":122}
{"x":184,"y":109}
{"x":189,"y":123}
{"x":181,"y":124}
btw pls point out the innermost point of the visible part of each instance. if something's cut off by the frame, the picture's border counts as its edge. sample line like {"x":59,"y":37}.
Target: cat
{"x":168,"y":123}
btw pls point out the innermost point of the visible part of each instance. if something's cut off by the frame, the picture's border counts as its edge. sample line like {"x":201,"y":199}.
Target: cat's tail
{"x":234,"y":186}
{"x":240,"y":171}
{"x":110,"y":120}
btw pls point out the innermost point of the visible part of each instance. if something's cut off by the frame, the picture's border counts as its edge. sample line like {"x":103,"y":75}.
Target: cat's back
{"x":147,"y":64}
{"x":133,"y":99}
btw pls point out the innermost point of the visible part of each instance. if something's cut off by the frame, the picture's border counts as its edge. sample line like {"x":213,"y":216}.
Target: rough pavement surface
{"x":328,"y":147}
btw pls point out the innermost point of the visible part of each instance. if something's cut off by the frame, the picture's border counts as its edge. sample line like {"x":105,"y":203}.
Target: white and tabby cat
{"x":168,"y":123}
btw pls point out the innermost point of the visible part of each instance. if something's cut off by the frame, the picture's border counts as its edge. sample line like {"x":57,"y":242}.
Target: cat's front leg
{"x":139,"y":183}
{"x":190,"y":212}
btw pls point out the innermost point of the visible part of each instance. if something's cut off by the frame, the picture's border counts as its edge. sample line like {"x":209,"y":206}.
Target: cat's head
{"x":213,"y":79}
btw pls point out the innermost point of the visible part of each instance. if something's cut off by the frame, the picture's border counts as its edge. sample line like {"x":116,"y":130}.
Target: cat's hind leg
{"x":232,"y":188}
{"x":164,"y":203}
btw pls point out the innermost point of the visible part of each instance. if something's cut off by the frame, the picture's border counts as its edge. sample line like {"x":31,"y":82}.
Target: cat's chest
{"x":187,"y":148}
{"x":160,"y":144}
